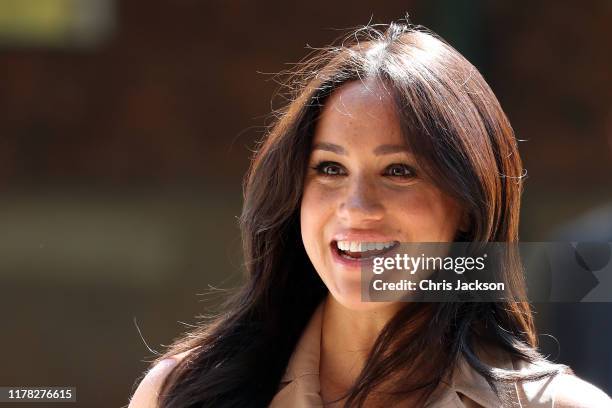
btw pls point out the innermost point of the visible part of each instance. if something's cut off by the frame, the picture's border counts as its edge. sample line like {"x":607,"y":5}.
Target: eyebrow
{"x":378,"y":151}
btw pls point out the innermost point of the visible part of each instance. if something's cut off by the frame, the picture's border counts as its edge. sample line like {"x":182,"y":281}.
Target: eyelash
{"x":321,"y":166}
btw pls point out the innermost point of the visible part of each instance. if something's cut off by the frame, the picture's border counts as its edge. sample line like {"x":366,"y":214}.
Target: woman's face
{"x":363,"y":185}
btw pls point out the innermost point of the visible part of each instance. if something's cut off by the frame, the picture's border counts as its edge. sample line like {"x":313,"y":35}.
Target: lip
{"x":356,"y":262}
{"x":362,"y":236}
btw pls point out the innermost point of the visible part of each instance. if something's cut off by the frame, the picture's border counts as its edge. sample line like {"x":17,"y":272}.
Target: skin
{"x":359,"y":117}
{"x":362,"y":188}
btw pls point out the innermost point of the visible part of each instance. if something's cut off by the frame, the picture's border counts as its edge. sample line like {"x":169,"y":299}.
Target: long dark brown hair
{"x":454,"y":124}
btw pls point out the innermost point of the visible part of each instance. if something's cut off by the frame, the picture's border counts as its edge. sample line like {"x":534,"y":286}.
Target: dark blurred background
{"x":126,"y":128}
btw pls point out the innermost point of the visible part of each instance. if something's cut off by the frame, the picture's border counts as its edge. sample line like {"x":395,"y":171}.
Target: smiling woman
{"x":390,"y":137}
{"x":362,"y":185}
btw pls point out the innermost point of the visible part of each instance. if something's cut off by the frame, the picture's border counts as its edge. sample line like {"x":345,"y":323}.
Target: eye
{"x":400,"y":170}
{"x":331,"y":169}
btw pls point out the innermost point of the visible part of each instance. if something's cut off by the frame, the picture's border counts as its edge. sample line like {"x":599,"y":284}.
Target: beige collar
{"x":300,"y":384}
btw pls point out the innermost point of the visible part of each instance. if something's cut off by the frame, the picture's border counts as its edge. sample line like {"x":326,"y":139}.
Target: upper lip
{"x":362,"y":236}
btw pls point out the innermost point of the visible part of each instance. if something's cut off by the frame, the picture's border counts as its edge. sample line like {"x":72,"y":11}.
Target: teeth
{"x":357,"y":246}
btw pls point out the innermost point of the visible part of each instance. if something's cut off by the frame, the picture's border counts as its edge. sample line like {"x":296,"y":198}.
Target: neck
{"x":347,"y":336}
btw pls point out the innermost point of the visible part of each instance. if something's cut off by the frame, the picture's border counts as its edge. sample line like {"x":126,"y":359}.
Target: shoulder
{"x":147,"y":392}
{"x":562,"y":390}
{"x":573,"y":392}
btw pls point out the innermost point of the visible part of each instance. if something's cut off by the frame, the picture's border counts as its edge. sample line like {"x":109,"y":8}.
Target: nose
{"x":361,"y":202}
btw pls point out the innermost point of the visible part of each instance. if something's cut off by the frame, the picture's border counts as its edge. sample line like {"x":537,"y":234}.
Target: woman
{"x":389,"y":137}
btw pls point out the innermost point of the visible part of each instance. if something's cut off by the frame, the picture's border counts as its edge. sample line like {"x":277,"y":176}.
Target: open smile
{"x":356,"y":253}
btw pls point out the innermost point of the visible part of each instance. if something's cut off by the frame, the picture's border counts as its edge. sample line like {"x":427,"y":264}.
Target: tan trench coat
{"x":299,"y":387}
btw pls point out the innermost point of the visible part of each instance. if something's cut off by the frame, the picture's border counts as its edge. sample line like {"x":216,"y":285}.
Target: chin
{"x":350,"y":298}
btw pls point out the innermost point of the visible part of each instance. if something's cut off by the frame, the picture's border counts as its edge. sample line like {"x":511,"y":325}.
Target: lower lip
{"x":354,"y":262}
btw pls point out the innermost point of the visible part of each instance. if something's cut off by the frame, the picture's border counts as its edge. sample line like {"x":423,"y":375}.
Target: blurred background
{"x":126,"y":128}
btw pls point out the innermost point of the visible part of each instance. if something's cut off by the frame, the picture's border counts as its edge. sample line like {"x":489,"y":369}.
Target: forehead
{"x":359,"y":112}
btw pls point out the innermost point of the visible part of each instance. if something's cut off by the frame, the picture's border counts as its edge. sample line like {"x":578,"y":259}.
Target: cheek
{"x":316,"y":211}
{"x":426,"y":215}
